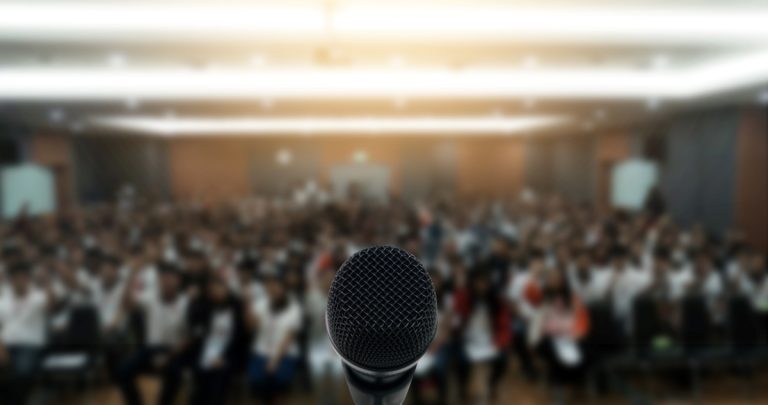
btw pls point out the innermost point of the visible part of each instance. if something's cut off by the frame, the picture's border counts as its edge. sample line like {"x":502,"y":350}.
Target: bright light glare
{"x":410,"y":21}
{"x":98,"y":84}
{"x":327,"y":126}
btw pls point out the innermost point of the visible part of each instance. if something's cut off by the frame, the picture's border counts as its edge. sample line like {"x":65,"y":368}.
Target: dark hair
{"x":491,"y":297}
{"x":20,"y":268}
{"x":563,"y":291}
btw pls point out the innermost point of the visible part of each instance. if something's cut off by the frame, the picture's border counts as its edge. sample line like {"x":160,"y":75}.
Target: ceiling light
{"x":284,"y":157}
{"x":529,"y":103}
{"x":327,"y":126}
{"x":133,"y":21}
{"x":600,"y":114}
{"x":581,"y":83}
{"x":116,"y":59}
{"x":360,"y":156}
{"x":659,"y":61}
{"x":56,"y":115}
{"x":267,"y":103}
{"x":258,"y":60}
{"x":530,"y":61}
{"x":652,"y":104}
{"x":132,"y":103}
{"x":762,"y":97}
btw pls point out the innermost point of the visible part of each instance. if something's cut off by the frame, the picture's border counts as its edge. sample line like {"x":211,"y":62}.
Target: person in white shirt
{"x":591,"y":283}
{"x":276,"y":320}
{"x":165,"y":313}
{"x":23,"y":311}
{"x":106,"y":291}
{"x":708,"y":283}
{"x":628,"y":282}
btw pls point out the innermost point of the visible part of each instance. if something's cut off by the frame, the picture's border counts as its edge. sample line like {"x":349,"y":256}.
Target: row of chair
{"x":696,"y":344}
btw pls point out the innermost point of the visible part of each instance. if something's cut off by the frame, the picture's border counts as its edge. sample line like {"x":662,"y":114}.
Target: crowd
{"x":203,"y":295}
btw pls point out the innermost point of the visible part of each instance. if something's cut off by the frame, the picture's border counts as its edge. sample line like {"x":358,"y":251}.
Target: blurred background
{"x":586,"y":182}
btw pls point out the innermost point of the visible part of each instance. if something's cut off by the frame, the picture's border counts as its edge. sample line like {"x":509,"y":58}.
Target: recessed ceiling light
{"x":76,"y":127}
{"x":284,"y":157}
{"x":89,"y":21}
{"x":397,"y":61}
{"x":600,"y":114}
{"x":762,"y":97}
{"x":360,"y":156}
{"x":56,"y":115}
{"x":530,"y":61}
{"x":132,"y":103}
{"x":117,"y":59}
{"x":258,"y":60}
{"x":329,"y":126}
{"x":659,"y":61}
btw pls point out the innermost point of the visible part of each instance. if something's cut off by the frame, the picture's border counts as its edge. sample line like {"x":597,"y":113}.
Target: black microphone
{"x":381,"y":318}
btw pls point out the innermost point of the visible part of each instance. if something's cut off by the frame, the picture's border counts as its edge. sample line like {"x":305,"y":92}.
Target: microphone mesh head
{"x":382,"y":309}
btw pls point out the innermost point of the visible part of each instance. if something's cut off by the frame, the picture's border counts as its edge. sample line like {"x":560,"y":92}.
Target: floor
{"x":717,"y":389}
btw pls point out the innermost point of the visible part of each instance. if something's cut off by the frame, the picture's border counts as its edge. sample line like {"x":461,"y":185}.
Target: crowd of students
{"x":203,"y":294}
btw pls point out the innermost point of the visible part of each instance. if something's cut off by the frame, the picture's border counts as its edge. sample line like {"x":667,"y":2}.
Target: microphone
{"x":381,"y":318}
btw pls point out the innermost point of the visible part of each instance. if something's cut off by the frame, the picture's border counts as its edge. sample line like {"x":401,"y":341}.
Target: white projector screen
{"x":631,"y":181}
{"x":29,"y":185}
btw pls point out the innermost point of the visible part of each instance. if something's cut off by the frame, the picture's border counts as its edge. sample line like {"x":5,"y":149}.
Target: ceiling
{"x":94,"y":66}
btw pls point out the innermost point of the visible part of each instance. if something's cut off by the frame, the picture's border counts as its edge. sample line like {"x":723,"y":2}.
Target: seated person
{"x":23,"y":312}
{"x":217,"y":328}
{"x":276,"y":320}
{"x":558,"y":328}
{"x":165,"y":310}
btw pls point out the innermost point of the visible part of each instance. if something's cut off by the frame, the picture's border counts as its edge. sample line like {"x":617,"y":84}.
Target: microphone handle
{"x":371,"y":390}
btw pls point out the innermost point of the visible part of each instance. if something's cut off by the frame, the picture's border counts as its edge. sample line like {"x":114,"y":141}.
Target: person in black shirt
{"x":217,"y":328}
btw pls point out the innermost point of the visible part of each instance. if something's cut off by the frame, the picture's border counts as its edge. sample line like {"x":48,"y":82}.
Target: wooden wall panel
{"x":222,"y":168}
{"x":752,"y":178}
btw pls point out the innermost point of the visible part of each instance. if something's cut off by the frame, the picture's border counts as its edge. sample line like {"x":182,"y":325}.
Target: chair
{"x":745,"y":337}
{"x":697,"y":337}
{"x":608,"y":350}
{"x":74,"y":359}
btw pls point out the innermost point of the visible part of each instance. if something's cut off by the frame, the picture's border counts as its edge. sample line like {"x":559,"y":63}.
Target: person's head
{"x":109,"y":270}
{"x":618,"y":257}
{"x":196,"y":262}
{"x":437,"y":279}
{"x":217,"y":290}
{"x":584,"y":260}
{"x":479,"y":282}
{"x":325,"y":278}
{"x":555,"y":288}
{"x":661,"y":259}
{"x":757,"y":265}
{"x":20,"y":278}
{"x":294,"y":279}
{"x":170,"y":279}
{"x":276,"y":290}
{"x":702,"y":262}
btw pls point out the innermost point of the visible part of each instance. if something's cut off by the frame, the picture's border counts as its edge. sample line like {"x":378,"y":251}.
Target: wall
{"x":699,"y":175}
{"x":103,"y":164}
{"x":752,"y":177}
{"x":564,"y":165}
{"x":55,"y":152}
{"x":223,"y":168}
